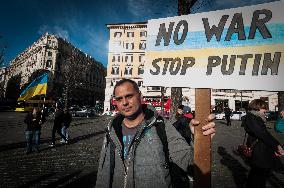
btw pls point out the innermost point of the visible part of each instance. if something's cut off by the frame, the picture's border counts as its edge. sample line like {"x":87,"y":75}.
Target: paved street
{"x":75,"y":164}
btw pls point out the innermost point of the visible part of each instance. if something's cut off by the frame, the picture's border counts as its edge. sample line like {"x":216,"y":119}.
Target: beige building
{"x":53,"y":54}
{"x":126,"y":58}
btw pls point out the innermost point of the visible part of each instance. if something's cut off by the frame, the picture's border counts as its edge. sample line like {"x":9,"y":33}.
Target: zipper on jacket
{"x":126,"y":171}
{"x":137,"y":140}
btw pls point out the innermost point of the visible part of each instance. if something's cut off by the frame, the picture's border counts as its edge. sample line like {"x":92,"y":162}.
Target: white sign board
{"x":240,"y":48}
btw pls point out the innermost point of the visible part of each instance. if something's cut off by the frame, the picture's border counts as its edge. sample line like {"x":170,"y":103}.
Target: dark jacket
{"x":58,"y":119}
{"x":34,"y":123}
{"x":67,"y":118}
{"x":145,"y":163}
{"x":263,"y":151}
{"x":182,"y":126}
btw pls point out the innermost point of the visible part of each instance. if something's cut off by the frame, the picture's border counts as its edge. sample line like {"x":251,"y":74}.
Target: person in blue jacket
{"x":279,"y":123}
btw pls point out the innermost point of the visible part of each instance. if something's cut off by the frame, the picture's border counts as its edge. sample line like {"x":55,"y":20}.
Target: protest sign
{"x":239,"y":48}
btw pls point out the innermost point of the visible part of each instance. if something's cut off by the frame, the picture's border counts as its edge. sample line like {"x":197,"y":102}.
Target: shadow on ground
{"x":71,"y":141}
{"x":73,"y":179}
{"x":237,"y":169}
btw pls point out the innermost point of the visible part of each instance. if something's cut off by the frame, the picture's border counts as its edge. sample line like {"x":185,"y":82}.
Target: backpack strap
{"x":161,"y":132}
{"x":178,"y":176}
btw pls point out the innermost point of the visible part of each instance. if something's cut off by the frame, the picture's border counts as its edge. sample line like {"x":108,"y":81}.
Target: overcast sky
{"x":82,"y":22}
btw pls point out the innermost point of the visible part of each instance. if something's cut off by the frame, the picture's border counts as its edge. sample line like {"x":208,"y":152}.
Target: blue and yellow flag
{"x":37,"y":87}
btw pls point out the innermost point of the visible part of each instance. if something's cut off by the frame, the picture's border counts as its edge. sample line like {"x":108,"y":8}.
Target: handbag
{"x":244,"y":150}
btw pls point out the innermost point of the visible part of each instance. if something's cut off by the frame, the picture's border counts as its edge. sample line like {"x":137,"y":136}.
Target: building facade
{"x":55,"y":55}
{"x":126,"y":59}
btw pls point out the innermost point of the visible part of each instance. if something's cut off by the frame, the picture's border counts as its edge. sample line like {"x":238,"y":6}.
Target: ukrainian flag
{"x":37,"y":87}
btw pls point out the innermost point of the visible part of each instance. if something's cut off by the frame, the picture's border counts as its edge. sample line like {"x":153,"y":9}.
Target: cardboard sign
{"x":240,"y":48}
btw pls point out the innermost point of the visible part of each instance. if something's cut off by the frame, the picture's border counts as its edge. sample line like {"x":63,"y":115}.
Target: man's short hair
{"x":258,"y":104}
{"x":133,"y":83}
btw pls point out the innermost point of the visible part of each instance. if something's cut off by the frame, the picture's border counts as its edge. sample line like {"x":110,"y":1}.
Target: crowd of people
{"x":34,"y":121}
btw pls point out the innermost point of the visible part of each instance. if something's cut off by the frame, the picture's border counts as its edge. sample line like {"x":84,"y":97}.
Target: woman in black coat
{"x":267,"y":149}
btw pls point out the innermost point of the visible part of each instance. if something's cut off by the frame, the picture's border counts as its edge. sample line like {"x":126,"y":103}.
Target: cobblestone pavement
{"x":75,"y":164}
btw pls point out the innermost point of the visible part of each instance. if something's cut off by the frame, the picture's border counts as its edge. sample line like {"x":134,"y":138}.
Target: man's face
{"x":127,"y":99}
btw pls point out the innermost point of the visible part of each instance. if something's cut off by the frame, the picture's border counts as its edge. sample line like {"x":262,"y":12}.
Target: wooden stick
{"x":202,"y":144}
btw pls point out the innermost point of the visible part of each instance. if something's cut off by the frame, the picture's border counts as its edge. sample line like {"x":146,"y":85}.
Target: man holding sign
{"x":134,"y":153}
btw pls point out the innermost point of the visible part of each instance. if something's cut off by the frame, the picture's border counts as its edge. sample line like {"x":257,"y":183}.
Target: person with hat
{"x":183,"y":117}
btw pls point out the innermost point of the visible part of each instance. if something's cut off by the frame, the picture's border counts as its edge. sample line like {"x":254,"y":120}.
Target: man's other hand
{"x":208,"y":129}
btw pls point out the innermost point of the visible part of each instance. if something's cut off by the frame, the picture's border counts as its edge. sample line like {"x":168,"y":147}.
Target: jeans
{"x":58,"y":130}
{"x":64,"y":132}
{"x":32,"y":139}
{"x":36,"y":139}
{"x":29,"y":140}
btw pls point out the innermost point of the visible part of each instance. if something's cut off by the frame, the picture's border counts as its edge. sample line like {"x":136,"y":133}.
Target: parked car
{"x":220,"y":115}
{"x":238,"y":115}
{"x":83,"y":112}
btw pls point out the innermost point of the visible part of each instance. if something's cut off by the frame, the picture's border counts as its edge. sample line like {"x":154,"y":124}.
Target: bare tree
{"x":74,"y":68}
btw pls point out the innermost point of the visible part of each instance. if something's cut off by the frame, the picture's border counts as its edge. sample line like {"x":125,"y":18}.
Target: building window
{"x":130,"y":34}
{"x":129,"y":58}
{"x":142,"y":58}
{"x":115,"y":71}
{"x":49,"y":53}
{"x":142,"y":46}
{"x":141,"y":69}
{"x":116,"y":58}
{"x":128,"y":70}
{"x":117,"y":34}
{"x":129,"y":46}
{"x":48,"y":64}
{"x":143,"y":34}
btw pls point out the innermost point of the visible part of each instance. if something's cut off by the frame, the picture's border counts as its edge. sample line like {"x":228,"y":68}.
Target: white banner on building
{"x":240,"y":48}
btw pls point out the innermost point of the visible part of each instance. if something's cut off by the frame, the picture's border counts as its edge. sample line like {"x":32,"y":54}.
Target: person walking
{"x":266,"y":149}
{"x":228,"y":113}
{"x":58,"y":122}
{"x":135,"y":149}
{"x":67,"y":118}
{"x":34,"y":120}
